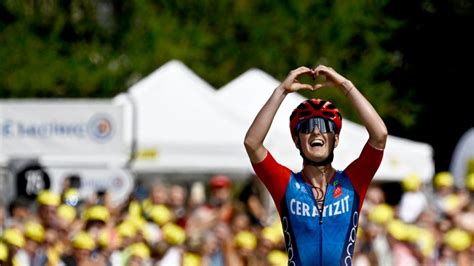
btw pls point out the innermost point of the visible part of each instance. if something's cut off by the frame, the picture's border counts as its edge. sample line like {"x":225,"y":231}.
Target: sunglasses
{"x":307,"y":126}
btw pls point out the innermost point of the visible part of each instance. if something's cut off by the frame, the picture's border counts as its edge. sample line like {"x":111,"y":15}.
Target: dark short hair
{"x":19,"y":202}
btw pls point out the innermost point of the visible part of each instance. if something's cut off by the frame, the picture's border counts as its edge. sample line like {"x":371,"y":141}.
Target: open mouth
{"x":316,"y":143}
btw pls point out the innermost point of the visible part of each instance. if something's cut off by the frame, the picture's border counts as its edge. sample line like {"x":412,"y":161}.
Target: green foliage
{"x":87,"y":48}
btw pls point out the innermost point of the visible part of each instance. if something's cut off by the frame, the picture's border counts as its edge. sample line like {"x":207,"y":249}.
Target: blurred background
{"x":112,"y":103}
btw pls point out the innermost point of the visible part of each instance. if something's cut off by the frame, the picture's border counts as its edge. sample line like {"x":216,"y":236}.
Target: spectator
{"x":174,"y":237}
{"x":177,"y":202}
{"x":71,"y":197}
{"x":34,"y":242}
{"x":378,"y":218}
{"x":413,"y":201}
{"x":82,"y":247}
{"x":19,"y":212}
{"x":403,"y":253}
{"x":456,"y":250}
{"x":220,"y":197}
{"x":443,"y":183}
{"x":252,"y":195}
{"x":15,"y":242}
{"x":245,"y":243}
{"x":139,"y":254}
{"x":48,"y":202}
{"x":217,"y":209}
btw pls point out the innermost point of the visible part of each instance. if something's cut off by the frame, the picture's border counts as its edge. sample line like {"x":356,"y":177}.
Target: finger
{"x":301,"y":70}
{"x":318,"y":86}
{"x":319,"y":69}
{"x":302,"y":86}
{"x":323,"y":85}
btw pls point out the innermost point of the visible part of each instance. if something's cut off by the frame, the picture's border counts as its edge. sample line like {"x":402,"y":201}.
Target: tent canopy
{"x":462,"y":160}
{"x":180,"y":126}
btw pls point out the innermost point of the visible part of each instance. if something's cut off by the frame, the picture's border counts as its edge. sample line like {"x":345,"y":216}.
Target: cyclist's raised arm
{"x":370,"y":118}
{"x":262,"y":122}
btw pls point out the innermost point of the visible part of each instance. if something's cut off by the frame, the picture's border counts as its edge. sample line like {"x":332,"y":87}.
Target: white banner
{"x":118,"y":182}
{"x":36,"y":128}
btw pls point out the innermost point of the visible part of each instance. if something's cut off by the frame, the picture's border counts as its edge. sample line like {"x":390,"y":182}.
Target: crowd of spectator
{"x":225,"y":223}
{"x":433,"y":224}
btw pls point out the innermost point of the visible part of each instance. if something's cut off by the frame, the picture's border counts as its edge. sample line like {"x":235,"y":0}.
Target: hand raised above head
{"x":291,"y":82}
{"x":332,"y":78}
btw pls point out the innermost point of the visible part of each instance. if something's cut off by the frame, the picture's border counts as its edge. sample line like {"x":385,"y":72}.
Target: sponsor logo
{"x":101,"y":128}
{"x":300,"y":208}
{"x":352,"y":239}
{"x":289,"y":245}
{"x":41,"y":130}
{"x":337,"y":192}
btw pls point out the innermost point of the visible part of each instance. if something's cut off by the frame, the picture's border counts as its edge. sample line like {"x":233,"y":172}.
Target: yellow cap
{"x":381,"y":213}
{"x":191,"y":259}
{"x":146,"y":206}
{"x":277,"y":258}
{"x":104,"y":237}
{"x":3,"y":252}
{"x":160,"y":214}
{"x":411,"y":183}
{"x":134,"y":208}
{"x":97,"y":213}
{"x":426,"y":242}
{"x":34,"y":231}
{"x":413,"y":232}
{"x":108,"y":237}
{"x":272,"y":234}
{"x":360,"y":232}
{"x":14,"y":236}
{"x":470,"y":182}
{"x":245,"y":239}
{"x":457,"y":239}
{"x":173,"y":234}
{"x":443,"y":179}
{"x":71,"y":196}
{"x":82,"y":240}
{"x":451,"y":202}
{"x":139,"y":250}
{"x":126,"y":229}
{"x":398,"y":230}
{"x":137,"y":221}
{"x":66,"y":212}
{"x":46,"y":197}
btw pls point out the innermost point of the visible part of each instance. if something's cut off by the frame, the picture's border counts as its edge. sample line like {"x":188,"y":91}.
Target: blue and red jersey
{"x":316,"y":236}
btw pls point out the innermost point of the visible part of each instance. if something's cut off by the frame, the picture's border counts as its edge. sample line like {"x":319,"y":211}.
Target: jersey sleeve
{"x":274,"y":176}
{"x":362,"y":170}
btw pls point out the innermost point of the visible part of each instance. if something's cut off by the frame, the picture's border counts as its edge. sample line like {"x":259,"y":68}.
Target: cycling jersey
{"x":316,"y":236}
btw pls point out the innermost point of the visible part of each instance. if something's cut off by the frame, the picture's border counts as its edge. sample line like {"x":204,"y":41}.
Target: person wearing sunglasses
{"x":319,"y":206}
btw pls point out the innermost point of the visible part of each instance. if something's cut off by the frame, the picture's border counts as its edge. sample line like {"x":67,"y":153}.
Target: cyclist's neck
{"x":317,"y":176}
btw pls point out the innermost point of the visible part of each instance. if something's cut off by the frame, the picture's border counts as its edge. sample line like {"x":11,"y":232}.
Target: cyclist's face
{"x":318,"y":146}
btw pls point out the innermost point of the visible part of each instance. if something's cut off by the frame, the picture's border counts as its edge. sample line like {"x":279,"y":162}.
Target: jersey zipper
{"x":321,"y":223}
{"x":320,"y":210}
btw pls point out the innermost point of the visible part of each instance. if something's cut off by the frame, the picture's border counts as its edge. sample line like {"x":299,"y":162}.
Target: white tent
{"x":247,"y":93}
{"x":180,"y":126}
{"x":462,"y":160}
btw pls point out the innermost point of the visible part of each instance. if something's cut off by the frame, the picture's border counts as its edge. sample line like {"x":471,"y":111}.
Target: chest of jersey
{"x":324,"y":233}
